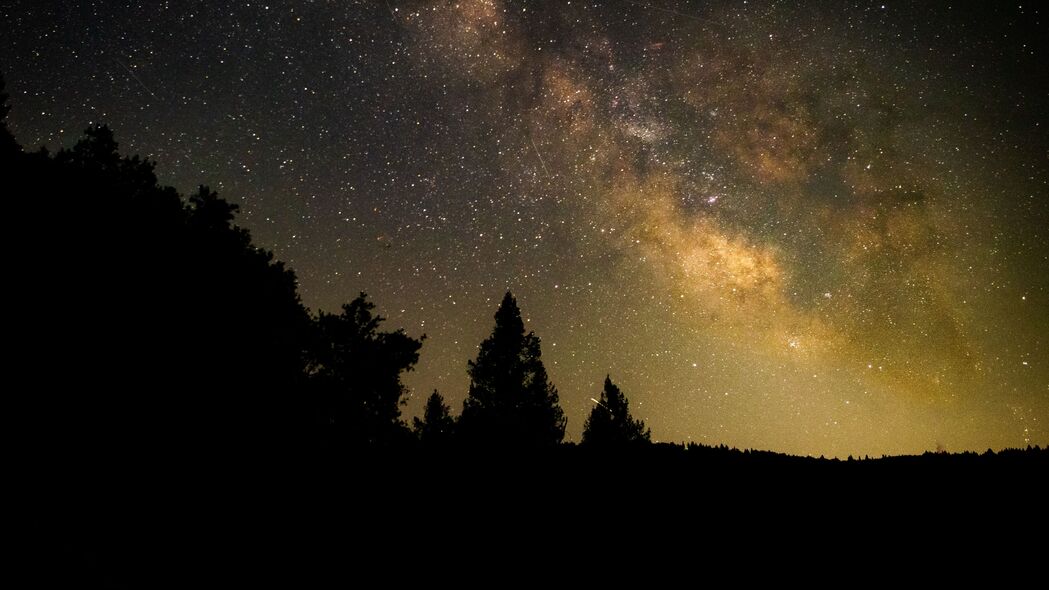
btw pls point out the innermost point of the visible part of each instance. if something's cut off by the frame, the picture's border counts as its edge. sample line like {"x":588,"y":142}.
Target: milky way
{"x":818,"y":230}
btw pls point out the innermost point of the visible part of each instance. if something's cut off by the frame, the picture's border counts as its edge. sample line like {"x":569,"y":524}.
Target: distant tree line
{"x":150,"y":323}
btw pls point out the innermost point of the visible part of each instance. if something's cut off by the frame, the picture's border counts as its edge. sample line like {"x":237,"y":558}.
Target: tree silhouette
{"x":511,"y":401}
{"x":173,"y":334}
{"x":247,"y":305}
{"x":437,"y":425}
{"x":356,"y":373}
{"x":610,"y":423}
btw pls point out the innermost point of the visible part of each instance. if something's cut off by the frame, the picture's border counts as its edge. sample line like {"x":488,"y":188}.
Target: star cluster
{"x":817,"y":229}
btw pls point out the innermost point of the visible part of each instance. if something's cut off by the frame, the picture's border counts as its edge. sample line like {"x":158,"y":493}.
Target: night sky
{"x":817,"y":230}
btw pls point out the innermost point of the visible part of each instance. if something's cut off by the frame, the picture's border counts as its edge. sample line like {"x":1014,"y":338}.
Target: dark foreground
{"x":312,"y":522}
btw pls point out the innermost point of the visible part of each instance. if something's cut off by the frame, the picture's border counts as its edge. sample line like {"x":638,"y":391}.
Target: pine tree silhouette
{"x":437,"y":425}
{"x":511,"y":400}
{"x":610,"y":423}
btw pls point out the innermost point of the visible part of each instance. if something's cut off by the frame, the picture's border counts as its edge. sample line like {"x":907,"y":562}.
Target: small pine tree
{"x":437,"y":425}
{"x":511,"y":400}
{"x":610,"y":423}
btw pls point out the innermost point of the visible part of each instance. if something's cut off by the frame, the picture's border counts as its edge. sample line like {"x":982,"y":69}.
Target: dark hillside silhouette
{"x":175,"y":332}
{"x":511,"y":401}
{"x":183,"y":413}
{"x":153,"y":327}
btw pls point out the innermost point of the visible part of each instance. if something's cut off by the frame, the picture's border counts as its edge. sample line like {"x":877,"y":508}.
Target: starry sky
{"x":816,"y":228}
